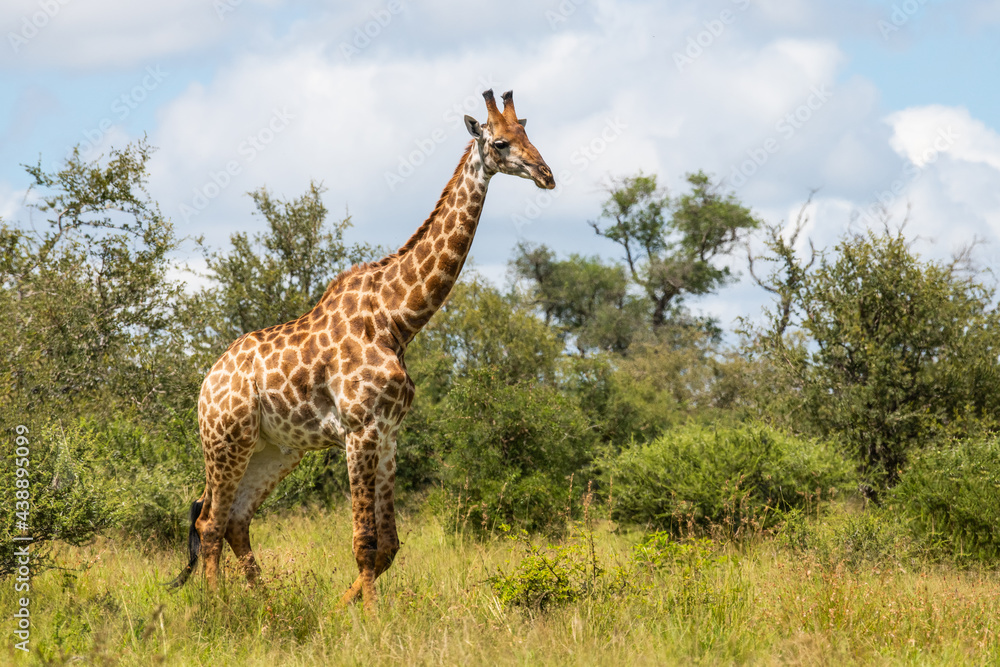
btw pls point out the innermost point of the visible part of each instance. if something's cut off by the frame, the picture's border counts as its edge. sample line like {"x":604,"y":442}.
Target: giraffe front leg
{"x":385,"y":510}
{"x":362,"y":457}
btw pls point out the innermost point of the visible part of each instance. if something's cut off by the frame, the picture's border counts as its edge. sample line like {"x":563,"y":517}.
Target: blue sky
{"x":847,"y":97}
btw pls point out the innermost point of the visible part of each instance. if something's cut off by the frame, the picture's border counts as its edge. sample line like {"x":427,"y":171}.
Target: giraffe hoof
{"x":351,"y":595}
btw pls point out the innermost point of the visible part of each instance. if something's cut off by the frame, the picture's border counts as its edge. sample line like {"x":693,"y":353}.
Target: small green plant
{"x":691,"y":565}
{"x":663,"y":551}
{"x":557,"y":574}
{"x":546,"y":576}
{"x":873,"y":536}
{"x":870,"y":537}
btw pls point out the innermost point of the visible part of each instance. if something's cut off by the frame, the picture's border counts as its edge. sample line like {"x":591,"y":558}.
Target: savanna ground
{"x":852,"y":595}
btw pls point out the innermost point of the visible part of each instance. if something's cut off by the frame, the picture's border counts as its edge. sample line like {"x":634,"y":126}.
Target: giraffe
{"x":335,"y":377}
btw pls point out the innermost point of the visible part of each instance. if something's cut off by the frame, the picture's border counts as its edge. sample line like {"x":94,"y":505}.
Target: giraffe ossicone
{"x":335,"y":377}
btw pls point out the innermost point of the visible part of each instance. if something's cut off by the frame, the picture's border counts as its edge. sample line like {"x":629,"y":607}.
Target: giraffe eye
{"x":500,"y":144}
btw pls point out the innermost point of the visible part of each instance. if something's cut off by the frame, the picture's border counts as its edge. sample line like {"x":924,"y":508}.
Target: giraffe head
{"x":504,"y":145}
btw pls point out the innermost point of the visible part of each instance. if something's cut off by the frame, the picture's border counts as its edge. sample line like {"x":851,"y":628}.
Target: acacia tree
{"x":672,"y":246}
{"x":278,"y":274}
{"x":84,"y":287}
{"x":92,"y":338}
{"x":587,"y":300}
{"x":883,"y":349}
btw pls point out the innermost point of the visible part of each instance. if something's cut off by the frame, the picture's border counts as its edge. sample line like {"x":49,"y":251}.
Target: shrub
{"x":156,"y":473}
{"x":68,"y":499}
{"x":558,"y":573}
{"x":479,"y":332}
{"x":546,"y":576}
{"x":511,"y":450}
{"x":677,"y":376}
{"x":874,"y":536}
{"x":696,"y":477}
{"x":951,"y":496}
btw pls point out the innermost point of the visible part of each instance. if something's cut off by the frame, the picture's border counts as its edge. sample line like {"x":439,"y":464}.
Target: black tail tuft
{"x":194,"y":546}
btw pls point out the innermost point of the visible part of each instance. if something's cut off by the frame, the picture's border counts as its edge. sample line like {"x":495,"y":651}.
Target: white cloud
{"x":93,"y":34}
{"x":922,"y":132}
{"x":349,"y":119}
{"x":10,"y":202}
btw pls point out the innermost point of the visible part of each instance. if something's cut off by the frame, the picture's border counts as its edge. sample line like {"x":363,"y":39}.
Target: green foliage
{"x":668,"y":381}
{"x":96,"y":362}
{"x":67,"y":498}
{"x":511,"y":451}
{"x":855,"y":538}
{"x":276,"y":275}
{"x":871,"y":537}
{"x":891,"y":352}
{"x":951,"y":496}
{"x":663,"y":381}
{"x":670,"y":257}
{"x":661,"y":550}
{"x":585,"y":298}
{"x":481,"y":327}
{"x":321,"y":479}
{"x":90,"y":312}
{"x":156,"y":472}
{"x":546,"y":577}
{"x":86,"y":476}
{"x":478,"y":328}
{"x":740,"y":479}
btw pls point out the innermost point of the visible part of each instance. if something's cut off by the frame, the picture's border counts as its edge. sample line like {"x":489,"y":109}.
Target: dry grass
{"x":760,"y":604}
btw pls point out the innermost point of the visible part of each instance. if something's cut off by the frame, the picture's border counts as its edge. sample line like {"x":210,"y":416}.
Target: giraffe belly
{"x":307,"y":428}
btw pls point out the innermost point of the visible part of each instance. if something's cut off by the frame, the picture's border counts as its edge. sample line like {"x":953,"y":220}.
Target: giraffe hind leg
{"x":265,"y":470}
{"x":226,"y":463}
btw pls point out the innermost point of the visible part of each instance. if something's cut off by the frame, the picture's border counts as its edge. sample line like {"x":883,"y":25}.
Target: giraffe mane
{"x":364,"y":267}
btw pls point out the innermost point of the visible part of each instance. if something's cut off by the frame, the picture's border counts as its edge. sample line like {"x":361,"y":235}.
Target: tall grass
{"x":676,"y":603}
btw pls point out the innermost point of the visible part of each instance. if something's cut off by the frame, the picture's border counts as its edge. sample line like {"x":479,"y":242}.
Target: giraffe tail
{"x":194,"y":546}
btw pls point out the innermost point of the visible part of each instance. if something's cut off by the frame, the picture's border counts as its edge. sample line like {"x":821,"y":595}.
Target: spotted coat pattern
{"x":335,"y":377}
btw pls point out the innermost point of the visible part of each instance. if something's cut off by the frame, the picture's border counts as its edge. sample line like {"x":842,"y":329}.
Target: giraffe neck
{"x":428,"y":265}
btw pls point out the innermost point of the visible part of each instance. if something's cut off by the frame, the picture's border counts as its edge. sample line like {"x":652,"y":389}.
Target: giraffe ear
{"x":522,"y":121}
{"x":473,"y":126}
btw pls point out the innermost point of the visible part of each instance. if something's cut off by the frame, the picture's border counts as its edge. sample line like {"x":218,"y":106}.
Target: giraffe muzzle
{"x":542,"y":176}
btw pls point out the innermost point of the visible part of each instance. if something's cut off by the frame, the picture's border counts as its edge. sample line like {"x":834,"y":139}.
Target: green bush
{"x":951,"y":496}
{"x":874,"y":536}
{"x":547,"y":577}
{"x":68,"y":497}
{"x":678,"y":376}
{"x":155,"y":474}
{"x":511,"y":452}
{"x":478,"y":328}
{"x":695,"y":478}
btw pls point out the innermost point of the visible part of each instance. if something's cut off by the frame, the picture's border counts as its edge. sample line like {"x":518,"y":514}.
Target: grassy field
{"x":843,"y":596}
